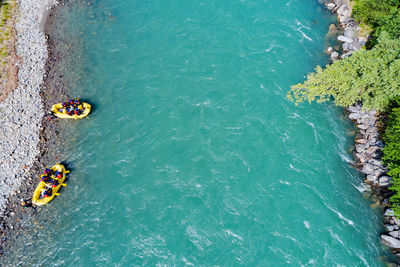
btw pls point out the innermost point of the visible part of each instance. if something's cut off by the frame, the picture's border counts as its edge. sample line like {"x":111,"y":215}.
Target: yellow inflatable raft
{"x":36,"y":200}
{"x":62,"y":114}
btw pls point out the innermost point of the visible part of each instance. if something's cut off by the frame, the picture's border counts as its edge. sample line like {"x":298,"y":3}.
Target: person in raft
{"x":45,"y":178}
{"x":72,"y":107}
{"x":48,"y":172}
{"x":46,"y":192}
{"x":57,"y":175}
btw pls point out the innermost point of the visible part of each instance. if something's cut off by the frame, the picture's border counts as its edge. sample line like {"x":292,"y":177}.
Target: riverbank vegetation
{"x":391,"y":137}
{"x":370,"y":77}
{"x":8,"y":70}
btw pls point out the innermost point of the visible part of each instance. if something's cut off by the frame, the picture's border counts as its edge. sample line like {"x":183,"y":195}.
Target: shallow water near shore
{"x":193,"y":155}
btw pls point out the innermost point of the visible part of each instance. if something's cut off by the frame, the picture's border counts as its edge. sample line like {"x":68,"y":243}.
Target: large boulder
{"x":361,"y":140}
{"x":349,"y":33}
{"x":384,"y":181}
{"x":354,"y":116}
{"x":344,"y":39}
{"x":389,"y":212}
{"x":330,"y":6}
{"x":362,"y":126}
{"x":389,"y":227}
{"x":334,"y":56}
{"x":390,"y":241}
{"x":332,"y":29}
{"x":368,"y":169}
{"x":394,"y":234}
{"x":372,"y":178}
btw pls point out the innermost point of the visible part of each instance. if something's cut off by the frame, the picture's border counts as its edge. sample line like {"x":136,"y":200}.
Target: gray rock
{"x":390,"y":241}
{"x":360,"y":148}
{"x":354,"y":116}
{"x":361,"y":141}
{"x":344,"y":39}
{"x":332,"y":29}
{"x":372,"y":178}
{"x":334,"y":56}
{"x":375,"y":162}
{"x":394,"y":234}
{"x":371,"y":150}
{"x":330,"y":6}
{"x":368,"y":169}
{"x":346,"y":47}
{"x":384,"y":181}
{"x":341,"y":9}
{"x":389,"y":212}
{"x":362,"y":126}
{"x":389,"y":227}
{"x":359,"y":158}
{"x":349,"y":33}
{"x":379,"y":144}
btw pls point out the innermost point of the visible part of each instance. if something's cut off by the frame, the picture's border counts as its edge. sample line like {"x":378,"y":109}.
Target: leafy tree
{"x":370,"y":77}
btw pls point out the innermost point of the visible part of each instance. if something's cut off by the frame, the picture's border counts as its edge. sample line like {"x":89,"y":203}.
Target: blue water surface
{"x":193,"y":155}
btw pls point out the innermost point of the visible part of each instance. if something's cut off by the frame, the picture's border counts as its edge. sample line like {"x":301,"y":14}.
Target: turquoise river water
{"x":193,"y":155}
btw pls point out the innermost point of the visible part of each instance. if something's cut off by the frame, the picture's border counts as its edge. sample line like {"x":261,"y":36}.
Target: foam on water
{"x":193,"y":155}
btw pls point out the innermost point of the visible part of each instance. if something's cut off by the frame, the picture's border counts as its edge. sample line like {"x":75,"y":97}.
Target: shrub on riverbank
{"x":381,"y":16}
{"x":392,"y":153}
{"x":369,"y":77}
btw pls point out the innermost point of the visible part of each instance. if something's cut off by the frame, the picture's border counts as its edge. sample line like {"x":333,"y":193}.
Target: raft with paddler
{"x":50,"y":182}
{"x":71,"y":109}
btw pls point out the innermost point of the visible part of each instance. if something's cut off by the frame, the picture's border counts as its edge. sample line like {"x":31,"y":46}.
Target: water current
{"x":193,"y":155}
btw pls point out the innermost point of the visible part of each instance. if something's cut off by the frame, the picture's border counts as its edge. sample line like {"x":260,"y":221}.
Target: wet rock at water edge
{"x":390,"y":241}
{"x":354,"y":116}
{"x":334,"y":56}
{"x":368,"y":169}
{"x":330,"y":6}
{"x":332,"y":30}
{"x":389,"y":227}
{"x":362,"y":126}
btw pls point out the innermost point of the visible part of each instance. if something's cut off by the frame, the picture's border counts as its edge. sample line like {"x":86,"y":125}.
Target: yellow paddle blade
{"x":64,"y":184}
{"x":57,"y":194}
{"x":66,"y":171}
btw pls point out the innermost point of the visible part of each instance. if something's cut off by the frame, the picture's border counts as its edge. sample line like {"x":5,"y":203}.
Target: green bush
{"x":381,"y":16}
{"x":372,"y":12}
{"x":370,"y":77}
{"x":391,"y":157}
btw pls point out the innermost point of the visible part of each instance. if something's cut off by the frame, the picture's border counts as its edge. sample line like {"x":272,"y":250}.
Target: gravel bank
{"x":22,"y":111}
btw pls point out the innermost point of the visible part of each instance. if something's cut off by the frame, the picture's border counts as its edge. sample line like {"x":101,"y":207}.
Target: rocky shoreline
{"x":25,"y":131}
{"x":368,"y":149}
